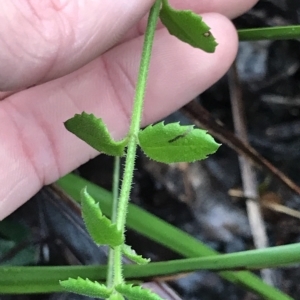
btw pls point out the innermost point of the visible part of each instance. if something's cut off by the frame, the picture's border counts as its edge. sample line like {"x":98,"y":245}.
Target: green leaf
{"x":86,"y":287}
{"x":116,"y":296}
{"x":175,"y":143}
{"x":94,"y":132}
{"x":132,"y":255}
{"x":136,"y":292}
{"x":100,"y":228}
{"x":188,"y":27}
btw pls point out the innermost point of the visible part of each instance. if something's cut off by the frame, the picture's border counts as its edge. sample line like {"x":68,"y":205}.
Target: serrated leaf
{"x":136,"y":292}
{"x":175,"y":143}
{"x":132,"y":255}
{"x":86,"y":287}
{"x":94,"y":132}
{"x":116,"y":297}
{"x":188,"y":27}
{"x":100,"y":228}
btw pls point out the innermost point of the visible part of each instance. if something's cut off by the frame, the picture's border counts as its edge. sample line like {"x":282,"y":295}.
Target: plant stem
{"x":115,"y":192}
{"x":133,"y":134}
{"x":115,"y":188}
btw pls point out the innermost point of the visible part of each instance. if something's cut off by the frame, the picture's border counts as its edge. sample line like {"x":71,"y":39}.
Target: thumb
{"x":43,"y":40}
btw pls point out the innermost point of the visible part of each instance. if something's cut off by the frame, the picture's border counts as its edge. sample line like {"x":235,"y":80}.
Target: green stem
{"x":270,"y":33}
{"x":115,"y":188}
{"x":115,"y":192}
{"x":133,"y":134}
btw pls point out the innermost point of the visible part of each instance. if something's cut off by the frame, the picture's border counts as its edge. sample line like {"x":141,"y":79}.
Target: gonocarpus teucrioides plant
{"x":164,"y":143}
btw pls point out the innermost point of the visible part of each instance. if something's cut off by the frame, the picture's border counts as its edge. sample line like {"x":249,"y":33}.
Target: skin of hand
{"x":61,"y":57}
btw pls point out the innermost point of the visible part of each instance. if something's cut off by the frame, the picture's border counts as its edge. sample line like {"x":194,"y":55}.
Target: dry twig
{"x":250,"y":188}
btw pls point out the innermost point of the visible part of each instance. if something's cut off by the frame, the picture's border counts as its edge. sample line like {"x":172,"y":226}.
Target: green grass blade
{"x":270,"y":33}
{"x":27,"y":280}
{"x":20,"y":280}
{"x":166,"y":234}
{"x":252,"y":259}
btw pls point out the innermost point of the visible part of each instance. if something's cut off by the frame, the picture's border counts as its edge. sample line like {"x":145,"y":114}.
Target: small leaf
{"x":132,"y":255}
{"x":86,"y":287}
{"x":116,"y":296}
{"x":188,"y":27}
{"x":136,"y":292}
{"x":94,"y":132}
{"x":175,"y":143}
{"x":100,"y":228}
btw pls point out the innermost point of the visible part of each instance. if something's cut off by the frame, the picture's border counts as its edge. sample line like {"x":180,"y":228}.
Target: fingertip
{"x":226,"y":37}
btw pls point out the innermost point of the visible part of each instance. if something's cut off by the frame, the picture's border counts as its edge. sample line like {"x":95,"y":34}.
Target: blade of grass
{"x":165,"y":234}
{"x":31,"y":280}
{"x":45,"y":279}
{"x":270,"y":33}
{"x":252,"y":259}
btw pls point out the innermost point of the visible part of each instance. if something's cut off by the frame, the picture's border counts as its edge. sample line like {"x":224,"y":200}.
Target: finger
{"x":59,"y":38}
{"x":38,"y":149}
{"x":42,"y":40}
{"x":229,"y":8}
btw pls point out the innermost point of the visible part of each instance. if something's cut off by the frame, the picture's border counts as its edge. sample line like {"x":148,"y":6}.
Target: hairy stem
{"x":115,"y":192}
{"x":133,"y":134}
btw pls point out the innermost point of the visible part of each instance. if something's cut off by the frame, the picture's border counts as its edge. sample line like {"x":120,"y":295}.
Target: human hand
{"x":83,"y":56}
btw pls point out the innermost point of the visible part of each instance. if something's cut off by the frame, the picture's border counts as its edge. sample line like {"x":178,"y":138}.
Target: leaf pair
{"x":185,"y":144}
{"x":104,"y":232}
{"x":94,"y":289}
{"x":164,"y":143}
